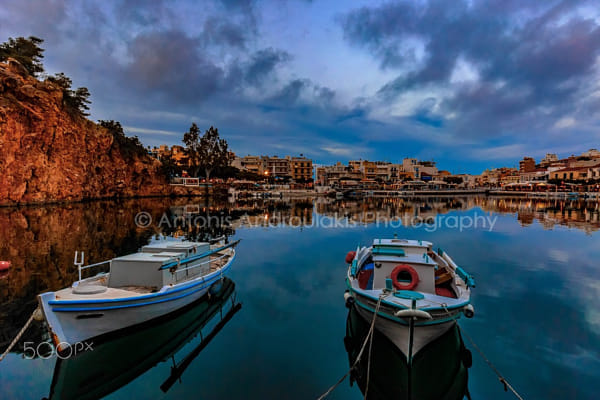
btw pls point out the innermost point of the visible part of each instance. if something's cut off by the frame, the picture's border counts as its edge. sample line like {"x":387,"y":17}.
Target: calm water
{"x":537,"y":296}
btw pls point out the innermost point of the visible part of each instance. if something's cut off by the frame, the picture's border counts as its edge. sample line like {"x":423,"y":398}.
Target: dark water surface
{"x":537,"y":300}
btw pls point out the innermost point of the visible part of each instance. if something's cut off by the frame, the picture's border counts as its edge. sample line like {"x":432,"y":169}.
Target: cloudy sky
{"x":469,"y":84}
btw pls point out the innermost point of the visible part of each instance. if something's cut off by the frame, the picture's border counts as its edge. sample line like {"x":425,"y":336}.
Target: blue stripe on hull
{"x":83,"y":309}
{"x":73,"y":330}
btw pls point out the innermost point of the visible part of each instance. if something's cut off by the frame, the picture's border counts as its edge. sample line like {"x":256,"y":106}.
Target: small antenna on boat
{"x":79,"y":262}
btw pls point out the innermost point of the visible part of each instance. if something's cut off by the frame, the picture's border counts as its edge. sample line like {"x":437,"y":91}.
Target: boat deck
{"x":124,"y":291}
{"x":428,"y":301}
{"x":110,"y":293}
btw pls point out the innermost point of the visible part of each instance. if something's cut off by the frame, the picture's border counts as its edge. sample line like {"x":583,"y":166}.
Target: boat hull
{"x":399,"y":334}
{"x":78,"y":324}
{"x":438,"y":372}
{"x":134,"y":351}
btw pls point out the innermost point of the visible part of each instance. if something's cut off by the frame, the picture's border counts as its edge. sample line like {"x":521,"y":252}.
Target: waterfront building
{"x":180,"y":156}
{"x":469,"y":181}
{"x":417,"y":167}
{"x":252,"y":164}
{"x":332,"y":174}
{"x":301,"y":169}
{"x":549,"y":159}
{"x":276,"y":167}
{"x":159,"y":152}
{"x":395,"y":170}
{"x":298,"y":168}
{"x":538,"y":174}
{"x":591,"y":153}
{"x":355,"y":164}
{"x":585,"y":173}
{"x":382,"y":171}
{"x":368,"y":169}
{"x":499,"y":176}
{"x":508,"y":179}
{"x":527,"y":164}
{"x":236,"y":162}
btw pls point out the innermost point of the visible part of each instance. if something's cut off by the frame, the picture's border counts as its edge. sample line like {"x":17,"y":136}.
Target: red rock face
{"x":48,"y":155}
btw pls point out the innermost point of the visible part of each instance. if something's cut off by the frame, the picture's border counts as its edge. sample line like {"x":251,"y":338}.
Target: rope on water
{"x":21,"y":332}
{"x":368,"y":339}
{"x":502,"y":379}
{"x":372,"y":332}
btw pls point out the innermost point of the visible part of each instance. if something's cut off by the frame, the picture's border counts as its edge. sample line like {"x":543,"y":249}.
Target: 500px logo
{"x":45,"y":350}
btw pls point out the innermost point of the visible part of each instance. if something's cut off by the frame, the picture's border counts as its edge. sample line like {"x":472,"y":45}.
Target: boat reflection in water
{"x":118,"y":360}
{"x":438,"y":371}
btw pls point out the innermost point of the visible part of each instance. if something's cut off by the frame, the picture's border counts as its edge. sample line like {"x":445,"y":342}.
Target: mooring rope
{"x":368,"y":339}
{"x":501,"y":378}
{"x":16,"y":339}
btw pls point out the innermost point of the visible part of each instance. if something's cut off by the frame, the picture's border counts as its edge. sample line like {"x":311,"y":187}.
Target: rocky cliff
{"x":47,"y":154}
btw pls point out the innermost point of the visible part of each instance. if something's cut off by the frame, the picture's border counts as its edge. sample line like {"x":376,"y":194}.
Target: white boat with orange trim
{"x":159,"y":279}
{"x":417,"y":294}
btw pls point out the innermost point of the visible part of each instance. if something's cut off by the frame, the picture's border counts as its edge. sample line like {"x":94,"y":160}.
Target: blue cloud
{"x":435,"y":79}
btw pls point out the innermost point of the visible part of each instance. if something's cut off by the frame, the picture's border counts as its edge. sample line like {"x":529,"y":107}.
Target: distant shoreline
{"x":97,"y":199}
{"x":588,"y":196}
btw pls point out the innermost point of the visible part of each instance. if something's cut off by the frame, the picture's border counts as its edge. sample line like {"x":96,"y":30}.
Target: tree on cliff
{"x":207,"y":152}
{"x":129,"y":146}
{"x":25,"y":51}
{"x":76,"y":101}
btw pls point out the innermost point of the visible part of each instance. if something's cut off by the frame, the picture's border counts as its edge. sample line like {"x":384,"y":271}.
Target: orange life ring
{"x":414,"y":277}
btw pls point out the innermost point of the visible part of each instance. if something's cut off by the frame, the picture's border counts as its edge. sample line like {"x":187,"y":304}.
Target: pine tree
{"x":25,"y":51}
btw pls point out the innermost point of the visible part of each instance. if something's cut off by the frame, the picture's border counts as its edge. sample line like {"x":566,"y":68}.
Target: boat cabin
{"x":412,"y":263}
{"x":160,"y":264}
{"x":387,"y":254}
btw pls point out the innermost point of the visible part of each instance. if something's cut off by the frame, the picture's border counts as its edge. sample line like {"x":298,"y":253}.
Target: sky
{"x":469,"y":84}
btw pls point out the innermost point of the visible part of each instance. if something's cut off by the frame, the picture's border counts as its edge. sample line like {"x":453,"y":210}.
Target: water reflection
{"x":41,"y":241}
{"x":580,"y":214}
{"x":438,"y":371}
{"x":119,"y":360}
{"x":555,"y":285}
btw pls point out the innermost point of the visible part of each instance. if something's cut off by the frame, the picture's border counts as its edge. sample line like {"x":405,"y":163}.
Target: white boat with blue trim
{"x":159,"y":279}
{"x":418,"y":293}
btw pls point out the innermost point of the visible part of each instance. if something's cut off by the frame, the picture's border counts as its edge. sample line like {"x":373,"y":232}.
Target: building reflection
{"x":579,"y":214}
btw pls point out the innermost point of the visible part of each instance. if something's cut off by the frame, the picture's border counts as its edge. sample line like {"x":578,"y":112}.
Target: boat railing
{"x":468,"y":279}
{"x":198,"y":256}
{"x":201,"y":264}
{"x":79,"y":261}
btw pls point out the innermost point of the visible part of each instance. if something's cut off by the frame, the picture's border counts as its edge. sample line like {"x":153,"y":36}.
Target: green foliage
{"x":169,"y":167}
{"x":30,"y":54}
{"x":206,"y":153}
{"x":25,"y":51}
{"x":129,"y":146}
{"x":75,"y":101}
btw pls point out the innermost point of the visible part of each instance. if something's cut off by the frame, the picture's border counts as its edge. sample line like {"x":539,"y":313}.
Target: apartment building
{"x":527,"y":164}
{"x":276,"y":167}
{"x":301,"y":169}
